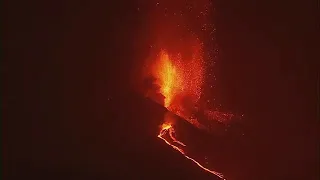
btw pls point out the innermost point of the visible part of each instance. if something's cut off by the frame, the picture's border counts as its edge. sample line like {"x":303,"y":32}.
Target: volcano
{"x":123,"y":144}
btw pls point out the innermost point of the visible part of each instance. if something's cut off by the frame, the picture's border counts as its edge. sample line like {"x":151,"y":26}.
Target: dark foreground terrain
{"x":119,"y":141}
{"x":120,"y":144}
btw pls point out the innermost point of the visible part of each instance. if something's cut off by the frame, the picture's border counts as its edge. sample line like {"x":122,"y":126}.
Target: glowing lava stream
{"x":167,"y":128}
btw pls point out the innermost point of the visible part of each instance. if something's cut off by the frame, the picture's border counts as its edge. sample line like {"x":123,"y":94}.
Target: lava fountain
{"x":180,"y":79}
{"x":168,"y":78}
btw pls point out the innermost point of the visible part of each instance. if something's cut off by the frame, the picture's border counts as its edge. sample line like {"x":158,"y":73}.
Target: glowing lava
{"x":167,"y":128}
{"x":168,"y":78}
{"x":180,"y":83}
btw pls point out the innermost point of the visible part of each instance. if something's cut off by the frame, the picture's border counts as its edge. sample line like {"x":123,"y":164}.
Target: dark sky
{"x":66,"y":89}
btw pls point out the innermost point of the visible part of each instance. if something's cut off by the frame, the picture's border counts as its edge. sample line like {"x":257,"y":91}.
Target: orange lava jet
{"x":168,"y":78}
{"x":167,"y":128}
{"x":180,"y":83}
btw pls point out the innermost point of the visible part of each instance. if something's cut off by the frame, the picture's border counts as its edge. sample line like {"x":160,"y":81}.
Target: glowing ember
{"x":218,"y":116}
{"x":168,"y":128}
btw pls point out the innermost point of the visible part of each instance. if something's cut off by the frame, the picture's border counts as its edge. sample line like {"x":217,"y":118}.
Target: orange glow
{"x":180,"y":83}
{"x":168,"y":77}
{"x":168,"y":128}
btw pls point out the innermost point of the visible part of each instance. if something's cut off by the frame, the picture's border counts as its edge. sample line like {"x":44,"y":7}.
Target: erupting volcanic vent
{"x":179,"y":71}
{"x":181,"y":84}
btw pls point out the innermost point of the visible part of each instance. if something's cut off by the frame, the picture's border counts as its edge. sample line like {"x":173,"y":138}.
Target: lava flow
{"x":168,"y":129}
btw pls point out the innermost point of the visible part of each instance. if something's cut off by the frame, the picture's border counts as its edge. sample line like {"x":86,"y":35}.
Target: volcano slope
{"x":116,"y":139}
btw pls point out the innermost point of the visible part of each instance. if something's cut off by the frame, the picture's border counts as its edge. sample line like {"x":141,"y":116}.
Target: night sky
{"x":70,"y":112}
